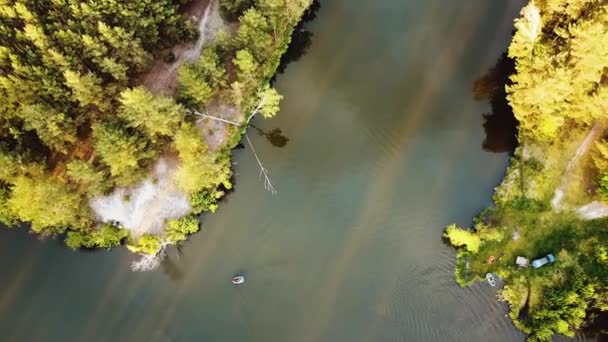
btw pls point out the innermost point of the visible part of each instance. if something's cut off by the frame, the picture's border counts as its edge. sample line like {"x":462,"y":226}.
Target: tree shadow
{"x":274,"y":136}
{"x":500,"y":124}
{"x":301,"y":40}
{"x":598,"y":328}
{"x":170,"y":267}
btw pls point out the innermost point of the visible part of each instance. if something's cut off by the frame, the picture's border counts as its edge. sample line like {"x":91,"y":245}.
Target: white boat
{"x":490,"y":279}
{"x":238,"y":280}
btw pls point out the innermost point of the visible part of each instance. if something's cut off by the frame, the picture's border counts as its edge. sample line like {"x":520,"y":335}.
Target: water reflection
{"x":171,"y":268}
{"x":301,"y":40}
{"x":274,"y":136}
{"x":500,"y":124}
{"x":598,"y":329}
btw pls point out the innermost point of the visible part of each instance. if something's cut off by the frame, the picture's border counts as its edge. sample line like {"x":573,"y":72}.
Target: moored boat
{"x":238,"y":280}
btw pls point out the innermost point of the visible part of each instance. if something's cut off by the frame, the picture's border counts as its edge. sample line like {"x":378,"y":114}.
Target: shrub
{"x":146,"y":244}
{"x":463,"y":275}
{"x":602,"y":187}
{"x":460,"y":237}
{"x":205,"y":201}
{"x":106,"y":236}
{"x":178,"y":230}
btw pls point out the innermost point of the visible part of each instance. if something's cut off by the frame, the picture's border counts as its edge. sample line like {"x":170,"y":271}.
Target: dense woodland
{"x":558,"y":92}
{"x":74,"y":123}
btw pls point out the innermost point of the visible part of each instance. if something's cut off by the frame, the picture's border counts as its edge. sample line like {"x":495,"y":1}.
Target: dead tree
{"x":263,"y":171}
{"x":150,"y":262}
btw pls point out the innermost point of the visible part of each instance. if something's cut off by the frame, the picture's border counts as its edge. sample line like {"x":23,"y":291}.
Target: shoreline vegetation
{"x":89,"y":146}
{"x":553,"y":197}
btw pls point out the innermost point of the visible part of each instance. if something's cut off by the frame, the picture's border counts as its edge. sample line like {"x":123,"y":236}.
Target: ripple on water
{"x":426,"y":304}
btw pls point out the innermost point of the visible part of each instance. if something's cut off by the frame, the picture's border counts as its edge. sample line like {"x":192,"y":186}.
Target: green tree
{"x":235,"y":7}
{"x":460,"y":237}
{"x":154,"y":115}
{"x":56,"y":130}
{"x":199,"y":169}
{"x":47,"y":203}
{"x":270,"y":100}
{"x":147,"y":244}
{"x":600,"y":155}
{"x":105,"y":236}
{"x":283,"y":13}
{"x":178,"y":230}
{"x":560,"y":67}
{"x":254,"y":33}
{"x":199,"y":82}
{"x":124,"y":151}
{"x":86,"y":89}
{"x":247,"y":67}
{"x":205,"y":201}
{"x":7,"y":216}
{"x":87,"y":175}
{"x":193,"y":89}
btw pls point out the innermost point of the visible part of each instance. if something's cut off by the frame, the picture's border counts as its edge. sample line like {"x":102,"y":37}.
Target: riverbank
{"x":140,"y":126}
{"x":225,"y":54}
{"x":525,"y":224}
{"x":349,"y":248}
{"x":549,"y":201}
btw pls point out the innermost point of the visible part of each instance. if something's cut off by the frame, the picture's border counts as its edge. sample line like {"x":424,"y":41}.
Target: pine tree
{"x":199,"y":168}
{"x":47,"y":203}
{"x":154,"y":115}
{"x":86,"y":89}
{"x":124,"y":151}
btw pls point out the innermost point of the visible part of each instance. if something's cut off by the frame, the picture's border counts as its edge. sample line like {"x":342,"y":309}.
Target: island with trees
{"x":117,"y":118}
{"x":554,"y":196}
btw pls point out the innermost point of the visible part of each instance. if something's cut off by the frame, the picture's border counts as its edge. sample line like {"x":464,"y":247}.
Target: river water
{"x":384,"y":150}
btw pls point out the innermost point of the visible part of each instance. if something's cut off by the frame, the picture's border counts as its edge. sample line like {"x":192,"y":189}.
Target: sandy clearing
{"x":158,"y":199}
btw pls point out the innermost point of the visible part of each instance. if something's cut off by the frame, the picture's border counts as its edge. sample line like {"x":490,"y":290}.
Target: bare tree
{"x":207,"y":116}
{"x":256,"y":110}
{"x":263,"y":171}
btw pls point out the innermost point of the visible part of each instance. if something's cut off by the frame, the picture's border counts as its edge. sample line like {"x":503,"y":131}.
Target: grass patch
{"x":553,"y":298}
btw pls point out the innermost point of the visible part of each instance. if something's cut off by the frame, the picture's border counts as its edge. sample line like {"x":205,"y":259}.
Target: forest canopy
{"x":559,"y":96}
{"x":70,"y":127}
{"x":76,"y":122}
{"x":561,"y":62}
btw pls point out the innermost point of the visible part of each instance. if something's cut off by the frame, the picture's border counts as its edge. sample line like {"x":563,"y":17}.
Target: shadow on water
{"x":170,"y":267}
{"x":500,"y":124}
{"x":301,"y":40}
{"x":275,"y":136}
{"x":598,"y":328}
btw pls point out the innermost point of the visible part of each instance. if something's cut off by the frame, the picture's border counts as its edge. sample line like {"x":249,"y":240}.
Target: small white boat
{"x":238,"y":280}
{"x":490,"y":279}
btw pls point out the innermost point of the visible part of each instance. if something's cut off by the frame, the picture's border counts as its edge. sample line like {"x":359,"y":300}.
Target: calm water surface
{"x":384,"y":152}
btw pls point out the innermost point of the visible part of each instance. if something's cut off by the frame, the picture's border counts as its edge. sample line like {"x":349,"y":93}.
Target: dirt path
{"x":596,"y":131}
{"x":162,"y":77}
{"x":145,"y":207}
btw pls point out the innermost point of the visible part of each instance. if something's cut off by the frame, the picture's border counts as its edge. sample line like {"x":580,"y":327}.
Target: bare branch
{"x":263,"y":172}
{"x":215,"y":118}
{"x":150,"y":262}
{"x":256,"y":110}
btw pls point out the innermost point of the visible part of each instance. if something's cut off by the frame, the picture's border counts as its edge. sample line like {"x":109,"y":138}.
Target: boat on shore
{"x":490,"y":279}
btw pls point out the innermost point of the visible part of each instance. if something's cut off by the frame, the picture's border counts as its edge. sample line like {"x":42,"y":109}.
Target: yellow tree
{"x":47,"y":203}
